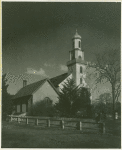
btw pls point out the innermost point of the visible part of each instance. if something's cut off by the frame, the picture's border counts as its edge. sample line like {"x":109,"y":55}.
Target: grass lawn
{"x":15,"y":135}
{"x":113,"y":127}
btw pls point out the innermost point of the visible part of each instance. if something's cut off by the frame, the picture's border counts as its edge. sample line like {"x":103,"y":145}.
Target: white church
{"x":47,"y":89}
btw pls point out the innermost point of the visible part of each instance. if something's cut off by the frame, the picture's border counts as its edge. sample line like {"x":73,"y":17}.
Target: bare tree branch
{"x":107,"y":66}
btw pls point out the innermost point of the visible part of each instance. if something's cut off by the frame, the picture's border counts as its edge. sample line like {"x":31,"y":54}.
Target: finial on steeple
{"x":76,"y":32}
{"x":77,"y":35}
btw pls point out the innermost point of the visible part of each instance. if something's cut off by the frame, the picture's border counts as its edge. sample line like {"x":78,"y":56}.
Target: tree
{"x":118,"y":107}
{"x":72,"y":99}
{"x":85,"y":101}
{"x":7,"y":104}
{"x":107,"y":68}
{"x":105,"y":98}
{"x":103,"y":105}
{"x":67,"y":96}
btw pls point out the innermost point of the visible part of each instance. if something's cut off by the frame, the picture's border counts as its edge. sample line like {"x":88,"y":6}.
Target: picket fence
{"x":58,"y":122}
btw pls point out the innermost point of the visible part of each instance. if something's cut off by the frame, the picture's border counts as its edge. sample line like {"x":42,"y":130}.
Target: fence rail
{"x":79,"y":125}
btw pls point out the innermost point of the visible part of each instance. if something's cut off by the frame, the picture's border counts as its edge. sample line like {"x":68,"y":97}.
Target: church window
{"x":79,"y":56}
{"x":23,"y":107}
{"x":80,"y":80}
{"x":81,"y":69}
{"x":73,"y":44}
{"x":79,"y":44}
{"x":73,"y":55}
{"x":18,"y":108}
{"x":47,"y":101}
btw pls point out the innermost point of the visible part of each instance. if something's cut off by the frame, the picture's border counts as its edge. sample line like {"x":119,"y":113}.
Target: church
{"x":48,"y":89}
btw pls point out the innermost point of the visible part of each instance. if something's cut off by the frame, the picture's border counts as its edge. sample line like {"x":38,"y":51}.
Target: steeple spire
{"x":77,"y":33}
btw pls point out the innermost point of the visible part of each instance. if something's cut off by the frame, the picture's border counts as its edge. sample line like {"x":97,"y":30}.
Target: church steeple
{"x":76,"y":52}
{"x":76,"y":65}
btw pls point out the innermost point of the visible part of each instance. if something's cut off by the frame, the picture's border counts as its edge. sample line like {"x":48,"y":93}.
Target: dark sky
{"x":37,"y":36}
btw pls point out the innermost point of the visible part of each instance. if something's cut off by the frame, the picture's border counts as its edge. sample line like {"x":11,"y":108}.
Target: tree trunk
{"x":113,"y":97}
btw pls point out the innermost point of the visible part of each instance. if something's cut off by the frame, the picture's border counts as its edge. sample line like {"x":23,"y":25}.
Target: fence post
{"x":36,"y":122}
{"x":26,"y":120}
{"x":48,"y":123}
{"x":62,"y":124}
{"x":9,"y":118}
{"x":18,"y":119}
{"x":80,"y":126}
{"x":102,"y":128}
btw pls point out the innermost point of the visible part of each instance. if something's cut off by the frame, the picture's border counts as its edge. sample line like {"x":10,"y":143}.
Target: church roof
{"x":31,"y":88}
{"x":58,"y":79}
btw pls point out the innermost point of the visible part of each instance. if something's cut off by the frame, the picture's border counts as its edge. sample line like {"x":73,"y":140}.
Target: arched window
{"x":79,"y":44}
{"x":81,"y":69}
{"x":80,"y":80}
{"x":47,"y":100}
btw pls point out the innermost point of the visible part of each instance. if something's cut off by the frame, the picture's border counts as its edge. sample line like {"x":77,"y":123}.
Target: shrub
{"x":43,"y":108}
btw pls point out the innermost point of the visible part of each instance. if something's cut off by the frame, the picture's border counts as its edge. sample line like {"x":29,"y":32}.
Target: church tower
{"x":76,"y":65}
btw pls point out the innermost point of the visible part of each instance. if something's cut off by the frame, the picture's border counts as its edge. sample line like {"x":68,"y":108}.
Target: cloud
{"x":60,"y":66}
{"x":63,"y":68}
{"x":40,"y":72}
{"x":49,"y":65}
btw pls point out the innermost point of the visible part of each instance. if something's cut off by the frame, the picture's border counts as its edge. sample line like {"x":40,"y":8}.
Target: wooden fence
{"x":79,"y":125}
